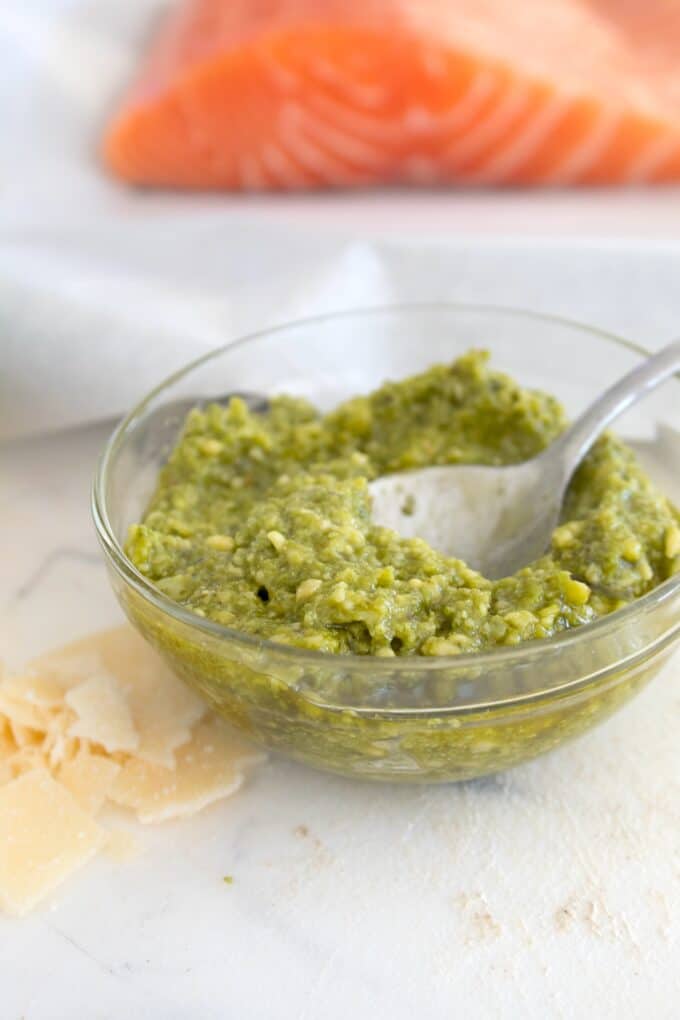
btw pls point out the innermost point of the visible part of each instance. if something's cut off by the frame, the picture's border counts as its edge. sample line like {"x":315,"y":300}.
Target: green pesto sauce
{"x":262,"y":522}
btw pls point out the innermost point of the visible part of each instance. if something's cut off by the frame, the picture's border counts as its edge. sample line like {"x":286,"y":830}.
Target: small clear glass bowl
{"x":416,"y":718}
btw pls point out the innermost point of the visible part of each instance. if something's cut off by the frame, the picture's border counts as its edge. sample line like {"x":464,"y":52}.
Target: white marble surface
{"x":551,"y":891}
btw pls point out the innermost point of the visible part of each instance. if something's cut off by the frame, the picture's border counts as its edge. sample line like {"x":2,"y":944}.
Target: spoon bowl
{"x":491,"y":517}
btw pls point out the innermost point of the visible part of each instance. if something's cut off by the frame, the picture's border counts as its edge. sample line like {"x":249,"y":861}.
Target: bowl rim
{"x":500,"y":655}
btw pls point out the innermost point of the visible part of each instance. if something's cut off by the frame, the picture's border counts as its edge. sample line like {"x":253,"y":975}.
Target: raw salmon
{"x":294,"y":94}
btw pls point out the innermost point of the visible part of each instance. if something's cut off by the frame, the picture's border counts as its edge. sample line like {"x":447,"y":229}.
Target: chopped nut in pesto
{"x":262,"y":522}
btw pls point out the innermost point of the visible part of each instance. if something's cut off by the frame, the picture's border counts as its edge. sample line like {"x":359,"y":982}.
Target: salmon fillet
{"x":295,"y":94}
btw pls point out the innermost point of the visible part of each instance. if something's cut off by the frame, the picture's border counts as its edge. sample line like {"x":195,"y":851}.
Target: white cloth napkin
{"x":105,"y":290}
{"x":87,"y":329}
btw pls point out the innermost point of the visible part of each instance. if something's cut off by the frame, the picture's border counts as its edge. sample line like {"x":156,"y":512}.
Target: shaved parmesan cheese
{"x":163,"y":708}
{"x":103,"y":714}
{"x":7,"y":745}
{"x":67,"y":667}
{"x":89,"y":777}
{"x":121,"y":845}
{"x":208,"y":767}
{"x":35,"y":690}
{"x":25,"y":759}
{"x":7,"y":749}
{"x":23,"y":735}
{"x":44,"y":836}
{"x":22,"y":712}
{"x":120,"y":653}
{"x":58,"y":746}
{"x":164,"y":715}
{"x":101,"y":720}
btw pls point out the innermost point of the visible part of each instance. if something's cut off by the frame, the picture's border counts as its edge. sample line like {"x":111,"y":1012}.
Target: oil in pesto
{"x":262,"y":522}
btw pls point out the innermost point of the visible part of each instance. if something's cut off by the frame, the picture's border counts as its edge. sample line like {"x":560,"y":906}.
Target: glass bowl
{"x":416,"y":718}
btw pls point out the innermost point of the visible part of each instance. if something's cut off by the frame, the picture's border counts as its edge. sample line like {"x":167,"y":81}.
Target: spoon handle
{"x":578,"y":439}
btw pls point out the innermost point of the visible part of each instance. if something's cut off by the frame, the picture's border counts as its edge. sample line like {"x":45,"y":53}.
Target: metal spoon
{"x":500,"y":519}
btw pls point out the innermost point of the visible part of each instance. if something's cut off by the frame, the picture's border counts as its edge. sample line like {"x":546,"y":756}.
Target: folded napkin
{"x":88,"y":325}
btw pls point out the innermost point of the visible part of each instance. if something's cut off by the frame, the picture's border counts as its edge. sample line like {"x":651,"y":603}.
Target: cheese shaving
{"x":43,"y":691}
{"x":103,"y":714}
{"x":23,"y":736}
{"x":90,"y":778}
{"x":24,"y":713}
{"x":102,"y":720}
{"x":44,"y":836}
{"x":208,"y":767}
{"x":7,"y":745}
{"x":121,"y":846}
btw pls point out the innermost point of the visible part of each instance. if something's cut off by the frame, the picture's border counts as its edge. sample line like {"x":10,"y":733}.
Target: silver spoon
{"x":499,"y":519}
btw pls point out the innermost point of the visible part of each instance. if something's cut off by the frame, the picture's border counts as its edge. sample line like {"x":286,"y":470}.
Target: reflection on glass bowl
{"x":411,"y":718}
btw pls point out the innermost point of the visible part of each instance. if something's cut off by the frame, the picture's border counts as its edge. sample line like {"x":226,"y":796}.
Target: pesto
{"x":262,"y":522}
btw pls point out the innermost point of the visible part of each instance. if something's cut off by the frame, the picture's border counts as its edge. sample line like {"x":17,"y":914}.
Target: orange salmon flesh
{"x":304,"y":94}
